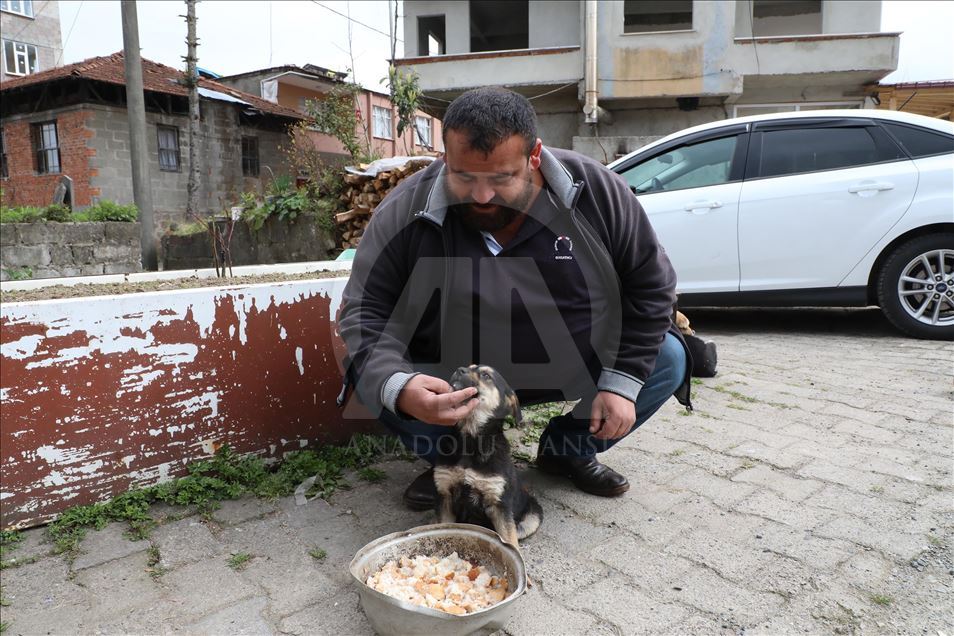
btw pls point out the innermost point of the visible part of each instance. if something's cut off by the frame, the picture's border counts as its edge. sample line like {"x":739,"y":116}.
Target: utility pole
{"x":192,"y":81}
{"x":136,"y":112}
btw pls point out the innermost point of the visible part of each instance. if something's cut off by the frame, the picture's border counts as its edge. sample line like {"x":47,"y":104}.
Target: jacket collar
{"x":553,"y":171}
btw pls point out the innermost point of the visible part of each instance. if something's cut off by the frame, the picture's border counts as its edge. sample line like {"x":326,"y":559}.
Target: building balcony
{"x":446,"y":76}
{"x":867,"y":57}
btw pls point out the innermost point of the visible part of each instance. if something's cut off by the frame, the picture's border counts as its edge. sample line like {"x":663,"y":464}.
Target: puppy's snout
{"x":462,"y":378}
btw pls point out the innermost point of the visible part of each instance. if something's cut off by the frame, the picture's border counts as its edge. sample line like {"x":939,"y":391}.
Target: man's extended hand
{"x":432,"y":400}
{"x":611,"y":416}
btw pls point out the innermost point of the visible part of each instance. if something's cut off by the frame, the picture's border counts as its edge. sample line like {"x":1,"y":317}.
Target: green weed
{"x":881,"y":599}
{"x":317,"y":553}
{"x":239,"y":560}
{"x":371,"y":474}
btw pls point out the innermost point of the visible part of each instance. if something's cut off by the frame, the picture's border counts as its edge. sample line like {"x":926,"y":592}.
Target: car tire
{"x":929,"y":314}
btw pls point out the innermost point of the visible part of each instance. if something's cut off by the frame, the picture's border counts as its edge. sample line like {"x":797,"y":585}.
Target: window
{"x":250,"y":156}
{"x":46,"y":148}
{"x":19,"y":58}
{"x":499,"y":25}
{"x":3,"y":157}
{"x":920,"y":142}
{"x":168,"y":148}
{"x":422,"y":131}
{"x":799,"y":150}
{"x":431,"y":34}
{"x":382,"y":122}
{"x":702,"y":164}
{"x":22,"y":7}
{"x":786,"y":17}
{"x":646,"y":16}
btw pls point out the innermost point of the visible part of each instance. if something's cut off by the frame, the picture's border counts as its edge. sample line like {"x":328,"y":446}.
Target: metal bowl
{"x":389,"y":615}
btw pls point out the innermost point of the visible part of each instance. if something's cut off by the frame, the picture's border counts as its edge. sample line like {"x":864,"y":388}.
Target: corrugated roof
{"x":157,"y":78}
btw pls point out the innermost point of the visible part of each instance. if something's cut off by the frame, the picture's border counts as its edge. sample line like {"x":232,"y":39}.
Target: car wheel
{"x":916,"y":287}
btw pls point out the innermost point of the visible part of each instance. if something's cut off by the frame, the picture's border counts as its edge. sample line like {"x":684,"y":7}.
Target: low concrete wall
{"x":105,"y":393}
{"x":276,"y":242}
{"x":52,"y":250}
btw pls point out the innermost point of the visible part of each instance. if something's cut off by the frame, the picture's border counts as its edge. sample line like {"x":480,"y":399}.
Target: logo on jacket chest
{"x":563,"y":249}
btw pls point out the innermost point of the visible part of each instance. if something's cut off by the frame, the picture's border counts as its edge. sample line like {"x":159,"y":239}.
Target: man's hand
{"x":611,"y":416}
{"x":432,"y":400}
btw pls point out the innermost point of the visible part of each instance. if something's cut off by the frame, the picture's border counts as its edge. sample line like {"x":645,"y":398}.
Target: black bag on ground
{"x":704,"y":356}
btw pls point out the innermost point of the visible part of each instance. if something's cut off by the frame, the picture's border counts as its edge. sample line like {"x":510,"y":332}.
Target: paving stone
{"x":340,"y":615}
{"x":902,"y":546}
{"x":292,"y":579}
{"x":242,"y":618}
{"x":771,"y":506}
{"x":196,"y":590}
{"x":116,"y":586}
{"x":563,"y":577}
{"x":574,"y":534}
{"x":704,"y":590}
{"x":722,"y":491}
{"x":101,"y":546}
{"x":648,"y":566}
{"x":629,"y":609}
{"x":42,"y":599}
{"x":185,"y":541}
{"x":732,"y":560}
{"x":539,"y":614}
{"x":236,"y":511}
{"x":785,"y":485}
{"x":33,"y":545}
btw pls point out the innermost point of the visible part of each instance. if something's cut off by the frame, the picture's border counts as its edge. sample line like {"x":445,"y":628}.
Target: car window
{"x":920,"y":142}
{"x":694,"y":166}
{"x":797,"y":150}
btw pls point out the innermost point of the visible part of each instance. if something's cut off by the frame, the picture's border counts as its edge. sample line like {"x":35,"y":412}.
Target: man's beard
{"x":482,"y":221}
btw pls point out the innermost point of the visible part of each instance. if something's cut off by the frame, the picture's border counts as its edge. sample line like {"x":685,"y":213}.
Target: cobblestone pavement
{"x":810,"y":492}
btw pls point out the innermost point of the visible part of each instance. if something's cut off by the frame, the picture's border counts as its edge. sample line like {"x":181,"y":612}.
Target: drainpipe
{"x":591,"y":108}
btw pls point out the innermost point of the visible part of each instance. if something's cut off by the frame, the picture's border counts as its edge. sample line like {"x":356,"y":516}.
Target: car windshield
{"x":694,"y":166}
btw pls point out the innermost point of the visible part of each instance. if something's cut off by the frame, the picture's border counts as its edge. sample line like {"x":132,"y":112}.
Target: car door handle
{"x":869,"y":186}
{"x":701,"y":207}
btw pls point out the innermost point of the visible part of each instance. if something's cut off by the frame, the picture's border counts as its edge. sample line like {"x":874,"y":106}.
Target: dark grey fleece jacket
{"x":394,"y":315}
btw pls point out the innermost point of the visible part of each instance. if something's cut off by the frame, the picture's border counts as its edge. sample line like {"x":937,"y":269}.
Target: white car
{"x":811,"y":208}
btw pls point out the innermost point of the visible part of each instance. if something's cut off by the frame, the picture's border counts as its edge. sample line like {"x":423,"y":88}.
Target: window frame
{"x":248,"y":162}
{"x":797,"y":107}
{"x":16,"y":56}
{"x":23,"y":3}
{"x":41,"y":152}
{"x":692,"y":23}
{"x":374,"y":121}
{"x":418,"y":141}
{"x":160,"y":149}
{"x":880,"y":138}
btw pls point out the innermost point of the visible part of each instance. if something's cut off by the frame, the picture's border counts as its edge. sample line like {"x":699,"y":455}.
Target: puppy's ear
{"x":514,"y":405}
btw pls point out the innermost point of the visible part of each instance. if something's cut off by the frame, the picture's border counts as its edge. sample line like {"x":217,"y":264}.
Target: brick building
{"x":71,"y":122}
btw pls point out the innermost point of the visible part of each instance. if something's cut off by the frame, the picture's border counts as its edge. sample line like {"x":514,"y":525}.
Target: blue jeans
{"x":567,"y":434}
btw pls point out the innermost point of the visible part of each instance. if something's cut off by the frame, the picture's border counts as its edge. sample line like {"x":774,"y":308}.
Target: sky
{"x":241,"y":36}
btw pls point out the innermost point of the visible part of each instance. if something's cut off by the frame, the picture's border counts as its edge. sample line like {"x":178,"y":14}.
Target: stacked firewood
{"x":363,"y":195}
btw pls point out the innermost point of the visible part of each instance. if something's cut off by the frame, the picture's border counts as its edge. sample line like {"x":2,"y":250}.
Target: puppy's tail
{"x":532,"y":517}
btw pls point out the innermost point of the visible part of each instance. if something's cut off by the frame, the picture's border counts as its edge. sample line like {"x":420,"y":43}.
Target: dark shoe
{"x":422,"y":493}
{"x":586,"y":473}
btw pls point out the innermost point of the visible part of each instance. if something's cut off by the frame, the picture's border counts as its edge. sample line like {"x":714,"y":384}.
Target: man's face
{"x":490,"y":190}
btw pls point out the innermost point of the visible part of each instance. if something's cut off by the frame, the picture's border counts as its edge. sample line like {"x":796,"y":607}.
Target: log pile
{"x":362,"y":196}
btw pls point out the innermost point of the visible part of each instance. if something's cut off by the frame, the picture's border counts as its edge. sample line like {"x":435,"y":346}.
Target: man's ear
{"x":514,"y":405}
{"x":535,"y":155}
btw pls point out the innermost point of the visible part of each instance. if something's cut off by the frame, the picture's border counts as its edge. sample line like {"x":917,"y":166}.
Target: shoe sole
{"x":609,"y":492}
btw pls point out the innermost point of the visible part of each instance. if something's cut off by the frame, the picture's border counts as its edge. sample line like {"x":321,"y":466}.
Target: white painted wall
{"x":555,"y":23}
{"x":456,"y":24}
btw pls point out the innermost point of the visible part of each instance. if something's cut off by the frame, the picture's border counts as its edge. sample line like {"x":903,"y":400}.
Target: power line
{"x":67,"y":41}
{"x":367,"y":26}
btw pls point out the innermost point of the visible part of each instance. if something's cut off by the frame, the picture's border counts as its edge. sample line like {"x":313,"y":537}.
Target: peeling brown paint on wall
{"x":97,"y":398}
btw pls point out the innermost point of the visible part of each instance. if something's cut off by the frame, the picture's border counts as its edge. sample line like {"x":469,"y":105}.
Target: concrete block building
{"x":70,"y":122}
{"x":31,"y":37}
{"x":609,"y":76}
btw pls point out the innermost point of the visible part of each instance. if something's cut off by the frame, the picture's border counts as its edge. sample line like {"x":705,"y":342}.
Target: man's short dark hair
{"x":491,"y":115}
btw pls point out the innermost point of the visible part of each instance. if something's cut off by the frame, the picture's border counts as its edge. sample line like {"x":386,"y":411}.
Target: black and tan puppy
{"x":477,"y":481}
